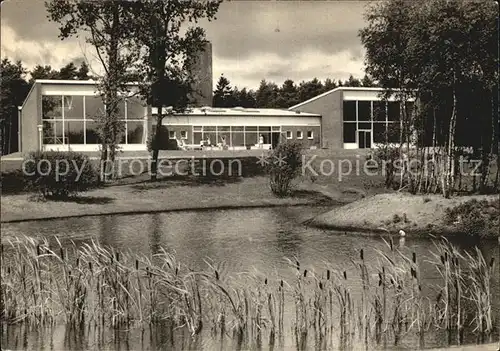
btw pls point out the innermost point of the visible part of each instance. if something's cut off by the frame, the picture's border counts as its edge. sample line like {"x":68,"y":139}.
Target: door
{"x":364,"y":139}
{"x":275,"y":139}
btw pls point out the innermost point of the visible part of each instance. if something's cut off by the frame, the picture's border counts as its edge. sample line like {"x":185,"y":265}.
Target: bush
{"x":284,"y":165}
{"x":387,"y":154}
{"x":59,"y":174}
{"x":475,"y":218}
{"x":12,"y":182}
{"x":163,"y":142}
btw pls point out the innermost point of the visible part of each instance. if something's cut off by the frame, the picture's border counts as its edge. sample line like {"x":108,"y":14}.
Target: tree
{"x":367,"y":81}
{"x":445,"y":55}
{"x":167,"y":54}
{"x":266,"y":95}
{"x":310,"y":89}
{"x":107,"y":27}
{"x":43,"y":72}
{"x":223,"y":93}
{"x":14,"y":89}
{"x":352,"y":82}
{"x":244,"y":98}
{"x":287,"y":95}
{"x":329,"y":85}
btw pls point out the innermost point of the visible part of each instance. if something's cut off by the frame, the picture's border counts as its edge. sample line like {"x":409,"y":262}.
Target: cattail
{"x":414,"y":257}
{"x":327,"y":274}
{"x":216,"y":275}
{"x":361,"y":254}
{"x":176,"y":270}
{"x":305,"y":273}
{"x":117,"y":257}
{"x":297,"y":265}
{"x":265,"y":281}
{"x":61,"y":253}
{"x":345,"y":275}
{"x":492,"y":261}
{"x":442,"y":259}
{"x":136,"y":265}
{"x":446,"y":256}
{"x":320,"y":286}
{"x":37,"y":250}
{"x":391,"y":244}
{"x":281,"y":283}
{"x":413,"y":273}
{"x":78,"y":261}
{"x":438,"y":298}
{"x":90,"y":266}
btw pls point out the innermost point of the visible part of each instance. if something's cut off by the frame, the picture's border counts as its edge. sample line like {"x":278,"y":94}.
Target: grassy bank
{"x":168,"y":195}
{"x":415,"y":214}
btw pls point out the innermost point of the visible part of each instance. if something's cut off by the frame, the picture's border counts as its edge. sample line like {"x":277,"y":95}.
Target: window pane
{"x":135,"y":108}
{"x":275,"y":129}
{"x":379,"y":112}
{"x":135,"y":132}
{"x":309,"y":134}
{"x":250,"y":129}
{"x":266,"y":136}
{"x":52,"y":132}
{"x":197,"y":128}
{"x":197,"y":138}
{"x":349,"y":110}
{"x":299,"y":134}
{"x":379,"y":130}
{"x":393,"y":111}
{"x":209,"y":129}
{"x":237,"y":139}
{"x":237,"y":129}
{"x":409,"y":107}
{"x":92,"y":136}
{"x":289,"y":134}
{"x":349,"y":132}
{"x":223,"y":129}
{"x":73,"y":107}
{"x":94,"y":107}
{"x":183,"y":134}
{"x":74,"y":132}
{"x":51,"y":107}
{"x":264,"y":129}
{"x":393,"y":130}
{"x":171,"y":134}
{"x":251,"y":138}
{"x":364,"y":110}
{"x":120,"y":108}
{"x":364,"y":126}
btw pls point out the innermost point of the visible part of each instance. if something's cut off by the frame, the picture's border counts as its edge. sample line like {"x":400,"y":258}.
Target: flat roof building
{"x":61,"y":115}
{"x":354,"y":117}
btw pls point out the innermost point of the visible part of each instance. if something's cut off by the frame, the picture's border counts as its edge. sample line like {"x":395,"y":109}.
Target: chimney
{"x":201,"y":70}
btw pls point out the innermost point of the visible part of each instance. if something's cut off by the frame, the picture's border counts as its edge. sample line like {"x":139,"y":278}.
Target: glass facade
{"x":72,"y":119}
{"x":379,"y":118}
{"x":234,"y":136}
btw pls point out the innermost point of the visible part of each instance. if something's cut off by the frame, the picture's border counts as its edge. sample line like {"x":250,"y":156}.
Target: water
{"x":240,"y":240}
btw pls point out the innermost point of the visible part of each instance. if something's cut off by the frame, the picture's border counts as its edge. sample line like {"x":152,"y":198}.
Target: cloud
{"x":252,"y":40}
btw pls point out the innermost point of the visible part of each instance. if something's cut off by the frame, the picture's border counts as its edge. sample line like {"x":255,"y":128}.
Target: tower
{"x":201,"y":71}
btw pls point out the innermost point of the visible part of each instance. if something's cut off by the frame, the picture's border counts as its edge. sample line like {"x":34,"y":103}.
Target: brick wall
{"x":316,"y":130}
{"x":330,"y":109}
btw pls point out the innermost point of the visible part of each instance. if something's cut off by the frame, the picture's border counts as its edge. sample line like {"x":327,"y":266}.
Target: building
{"x":353,"y":118}
{"x":60,"y":115}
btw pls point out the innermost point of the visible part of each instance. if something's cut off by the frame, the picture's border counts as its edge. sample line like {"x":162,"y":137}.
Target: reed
{"x":93,"y":286}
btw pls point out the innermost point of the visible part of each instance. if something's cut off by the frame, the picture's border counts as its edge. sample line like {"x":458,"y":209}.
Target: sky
{"x":251,"y":40}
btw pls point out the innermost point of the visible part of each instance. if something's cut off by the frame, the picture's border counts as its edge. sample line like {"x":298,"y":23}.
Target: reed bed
{"x":92,"y":286}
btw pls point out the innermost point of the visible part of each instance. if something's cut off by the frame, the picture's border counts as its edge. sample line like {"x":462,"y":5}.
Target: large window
{"x":381,"y":117}
{"x":350,"y":111}
{"x":364,"y":111}
{"x":72,"y":119}
{"x":349,"y":132}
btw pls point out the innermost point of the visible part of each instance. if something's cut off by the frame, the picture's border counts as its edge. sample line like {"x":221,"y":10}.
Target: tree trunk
{"x":155,"y":145}
{"x":449,"y":178}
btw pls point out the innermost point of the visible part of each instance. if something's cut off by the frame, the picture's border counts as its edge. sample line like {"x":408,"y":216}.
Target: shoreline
{"x":387,"y":214}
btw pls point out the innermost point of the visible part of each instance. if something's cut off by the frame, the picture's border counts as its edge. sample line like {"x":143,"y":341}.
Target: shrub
{"x":163,"y":142}
{"x":12,"y":182}
{"x":475,"y":218}
{"x":387,"y":155}
{"x":284,"y":166}
{"x":59,"y":174}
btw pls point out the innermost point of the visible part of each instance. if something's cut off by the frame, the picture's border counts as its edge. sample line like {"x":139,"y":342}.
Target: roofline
{"x":27,"y":96}
{"x":338,"y":89}
{"x":243,"y":113}
{"x":74,"y":82}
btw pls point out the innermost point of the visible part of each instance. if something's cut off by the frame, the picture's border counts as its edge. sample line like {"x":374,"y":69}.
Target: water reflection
{"x":241,"y":241}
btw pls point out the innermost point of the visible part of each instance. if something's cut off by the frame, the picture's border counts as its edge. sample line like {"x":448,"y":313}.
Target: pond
{"x":256,"y":241}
